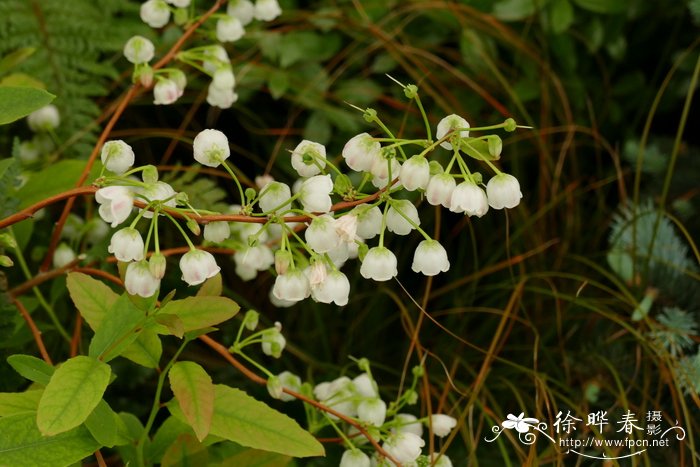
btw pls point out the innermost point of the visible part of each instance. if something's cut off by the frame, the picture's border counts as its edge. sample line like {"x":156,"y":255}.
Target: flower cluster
{"x":116,"y":203}
{"x":43,"y":122}
{"x":212,"y":59}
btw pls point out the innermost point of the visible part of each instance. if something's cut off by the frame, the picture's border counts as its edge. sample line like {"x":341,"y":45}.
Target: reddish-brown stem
{"x":223,"y":351}
{"x":35,"y":331}
{"x":77,"y":331}
{"x":41,"y":278}
{"x":28,"y":212}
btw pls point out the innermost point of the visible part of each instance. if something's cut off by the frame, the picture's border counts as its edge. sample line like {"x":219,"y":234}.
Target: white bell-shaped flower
{"x":229,"y":29}
{"x":408,"y":423}
{"x":198,"y":266}
{"x":292,"y":286}
{"x":380,"y":264}
{"x":335,"y":288}
{"x":380,"y":171}
{"x":117,"y":156}
{"x":438,"y":460}
{"x":217,"y":231}
{"x":354,"y":458}
{"x":442,"y":424}
{"x":274,"y":195}
{"x":470,"y":199}
{"x":116,"y":203}
{"x":365,"y":386}
{"x":321,"y":235}
{"x":258,"y":257}
{"x":246,"y":273}
{"x":166,"y":91}
{"x":155,"y":13}
{"x":138,"y":280}
{"x":372,"y":411}
{"x":273,"y":342}
{"x":211,"y":148}
{"x":340,"y":254}
{"x":396,"y":217}
{"x":503,"y":191}
{"x":290,"y":381}
{"x":439,"y":190}
{"x":451,"y":123}
{"x":215,"y":57}
{"x":315,"y":193}
{"x":266,"y":10}
{"x":222,"y":98}
{"x":44,"y":119}
{"x":369,"y":221}
{"x":139,"y":50}
{"x":338,"y":394}
{"x":346,"y":227}
{"x":244,"y":10}
{"x":127,"y":245}
{"x":63,"y":255}
{"x":404,"y":447}
{"x":361,"y":151}
{"x":158,"y":191}
{"x":415,"y":173}
{"x":223,"y":78}
{"x":179,"y":3}
{"x":309,"y":158}
{"x":430,"y":258}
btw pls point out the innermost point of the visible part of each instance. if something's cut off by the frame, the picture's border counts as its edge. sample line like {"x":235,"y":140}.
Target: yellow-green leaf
{"x":21,"y":444}
{"x":184,"y":451}
{"x":202,"y":312}
{"x":12,"y":403}
{"x":256,"y":458}
{"x":194,"y":392}
{"x":146,"y":349}
{"x":74,"y":390}
{"x":32,"y":368}
{"x":91,"y":297}
{"x":119,"y":329}
{"x":19,"y":101}
{"x":211,"y":287}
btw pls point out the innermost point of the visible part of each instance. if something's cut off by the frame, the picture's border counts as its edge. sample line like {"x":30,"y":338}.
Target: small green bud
{"x":418,"y":371}
{"x":495,"y":145}
{"x":370,"y":115}
{"x":250,"y":320}
{"x":193,"y":226}
{"x":7,"y":241}
{"x":477,"y":177}
{"x":435,"y":168}
{"x":283,"y":259}
{"x":363,"y":364}
{"x":150,"y":174}
{"x":510,"y":124}
{"x":181,"y":199}
{"x":274,"y":387}
{"x":156,"y":264}
{"x":250,"y":194}
{"x":181,"y":16}
{"x":411,"y":397}
{"x":6,"y":261}
{"x":362,"y":250}
{"x":342,"y":184}
{"x":411,"y":91}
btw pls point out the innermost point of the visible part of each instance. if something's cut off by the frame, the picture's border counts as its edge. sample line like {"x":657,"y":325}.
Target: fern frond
{"x":678,"y":327}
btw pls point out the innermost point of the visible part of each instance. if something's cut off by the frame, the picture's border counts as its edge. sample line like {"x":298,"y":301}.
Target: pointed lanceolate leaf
{"x":194,"y":392}
{"x":478,"y":149}
{"x":251,"y":423}
{"x":17,"y":102}
{"x":74,"y":390}
{"x":211,"y":287}
{"x":92,"y":298}
{"x":119,"y":329}
{"x":105,"y":426}
{"x":21,"y":443}
{"x":146,"y":349}
{"x":32,"y":368}
{"x":202,"y":312}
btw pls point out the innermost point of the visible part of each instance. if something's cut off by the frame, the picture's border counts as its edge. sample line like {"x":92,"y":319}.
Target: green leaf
{"x":119,"y":329}
{"x":167,"y":433}
{"x":14,"y":58}
{"x":146,"y":350}
{"x":299,"y":46}
{"x":105,"y":426}
{"x":514,"y":10}
{"x":278,"y":83}
{"x":184,"y":451}
{"x":12,"y":403}
{"x":18,"y":101}
{"x":75,"y":389}
{"x":91,"y":297}
{"x":172,"y":322}
{"x":604,"y":6}
{"x":194,"y":392}
{"x":22,"y":444}
{"x":45,"y":183}
{"x":202,"y":312}
{"x":251,"y":423}
{"x":256,"y":458}
{"x":477,"y":149}
{"x":211,"y":287}
{"x":561,"y":15}
{"x":32,"y":368}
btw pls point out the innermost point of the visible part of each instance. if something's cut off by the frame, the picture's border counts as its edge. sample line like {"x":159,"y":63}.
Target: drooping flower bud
{"x":117,"y":156}
{"x":211,"y":148}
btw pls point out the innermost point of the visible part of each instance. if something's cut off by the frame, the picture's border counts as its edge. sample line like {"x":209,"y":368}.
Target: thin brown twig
{"x":36,"y":333}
